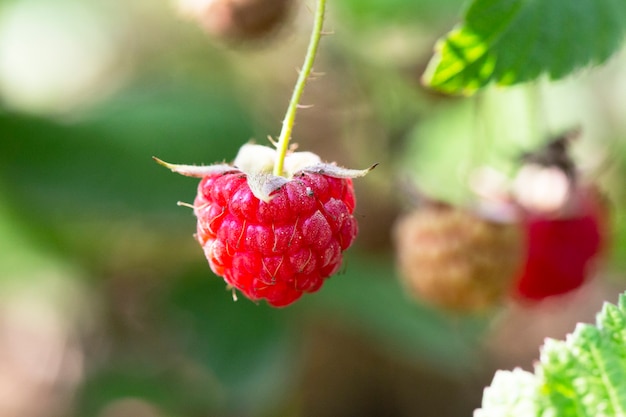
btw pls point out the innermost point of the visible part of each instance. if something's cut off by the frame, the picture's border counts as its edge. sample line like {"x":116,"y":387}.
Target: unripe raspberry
{"x":271,"y":237}
{"x":452,"y":258}
{"x":237,"y":20}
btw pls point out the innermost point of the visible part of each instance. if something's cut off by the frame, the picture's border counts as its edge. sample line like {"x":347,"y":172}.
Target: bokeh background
{"x":107,"y":305}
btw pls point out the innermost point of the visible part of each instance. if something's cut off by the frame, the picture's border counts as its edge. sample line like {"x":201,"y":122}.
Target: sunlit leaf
{"x":514,"y":41}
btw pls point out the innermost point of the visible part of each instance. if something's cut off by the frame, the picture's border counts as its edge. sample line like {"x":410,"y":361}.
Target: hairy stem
{"x":290,"y":117}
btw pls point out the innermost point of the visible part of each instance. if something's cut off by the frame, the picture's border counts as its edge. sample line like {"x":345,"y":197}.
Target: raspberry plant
{"x":247,"y":224}
{"x":253,"y":214}
{"x":71,"y":182}
{"x":274,"y":224}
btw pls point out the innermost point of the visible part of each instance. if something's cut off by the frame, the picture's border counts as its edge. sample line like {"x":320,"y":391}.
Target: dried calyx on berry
{"x":274,"y":237}
{"x":563,"y":220}
{"x":257,"y":162}
{"x":547,"y":181}
{"x":237,"y":20}
{"x":455,"y":258}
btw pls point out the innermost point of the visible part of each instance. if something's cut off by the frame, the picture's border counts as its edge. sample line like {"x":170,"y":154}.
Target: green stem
{"x":290,"y":117}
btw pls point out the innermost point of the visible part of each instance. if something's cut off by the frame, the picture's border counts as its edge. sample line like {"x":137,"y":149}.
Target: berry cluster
{"x":460,"y":260}
{"x":273,"y":224}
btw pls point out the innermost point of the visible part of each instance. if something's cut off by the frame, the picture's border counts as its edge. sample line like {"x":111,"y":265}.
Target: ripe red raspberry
{"x":271,"y":237}
{"x":560,"y":251}
{"x":564,"y":222}
{"x":279,"y":249}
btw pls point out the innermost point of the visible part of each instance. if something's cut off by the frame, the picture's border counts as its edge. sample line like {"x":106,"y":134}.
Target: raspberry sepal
{"x":256,"y":162}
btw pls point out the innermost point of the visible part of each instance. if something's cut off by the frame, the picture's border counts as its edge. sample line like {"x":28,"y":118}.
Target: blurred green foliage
{"x":85,"y":166}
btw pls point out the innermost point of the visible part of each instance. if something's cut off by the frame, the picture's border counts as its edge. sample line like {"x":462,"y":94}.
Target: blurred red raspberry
{"x":561,"y":250}
{"x":237,"y":20}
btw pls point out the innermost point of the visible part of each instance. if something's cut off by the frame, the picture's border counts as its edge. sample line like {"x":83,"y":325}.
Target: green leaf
{"x":514,"y":41}
{"x":585,"y":375}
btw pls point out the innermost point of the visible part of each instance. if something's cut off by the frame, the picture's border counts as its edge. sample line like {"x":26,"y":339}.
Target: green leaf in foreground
{"x":514,"y":41}
{"x":585,"y":375}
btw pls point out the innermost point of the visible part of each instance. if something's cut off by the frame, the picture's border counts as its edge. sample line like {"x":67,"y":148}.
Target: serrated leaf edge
{"x":585,"y":336}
